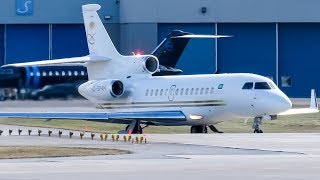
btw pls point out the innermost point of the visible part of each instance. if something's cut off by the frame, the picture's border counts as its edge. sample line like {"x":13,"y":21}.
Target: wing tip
{"x":313,"y":100}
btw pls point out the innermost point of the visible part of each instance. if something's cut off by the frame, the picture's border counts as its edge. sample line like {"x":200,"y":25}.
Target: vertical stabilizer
{"x":99,"y":41}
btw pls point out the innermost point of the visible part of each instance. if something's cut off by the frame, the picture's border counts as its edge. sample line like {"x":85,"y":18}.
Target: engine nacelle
{"x":102,"y":90}
{"x":150,"y":64}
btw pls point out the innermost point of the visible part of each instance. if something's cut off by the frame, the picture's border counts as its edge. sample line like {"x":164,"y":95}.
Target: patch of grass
{"x":16,"y":152}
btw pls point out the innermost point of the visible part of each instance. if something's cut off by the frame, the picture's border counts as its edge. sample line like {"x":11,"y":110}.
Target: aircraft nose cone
{"x":285,"y":103}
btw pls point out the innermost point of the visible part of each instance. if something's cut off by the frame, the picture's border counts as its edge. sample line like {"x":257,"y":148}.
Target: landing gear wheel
{"x":199,"y":129}
{"x":256,"y":125}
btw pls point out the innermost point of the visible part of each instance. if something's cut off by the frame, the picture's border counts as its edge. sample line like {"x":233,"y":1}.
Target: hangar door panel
{"x":26,"y":43}
{"x":199,"y":54}
{"x":1,"y":44}
{"x":69,"y":41}
{"x":251,"y":49}
{"x":299,"y":58}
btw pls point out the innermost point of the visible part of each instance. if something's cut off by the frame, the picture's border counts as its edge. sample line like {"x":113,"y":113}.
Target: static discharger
{"x":19,"y":131}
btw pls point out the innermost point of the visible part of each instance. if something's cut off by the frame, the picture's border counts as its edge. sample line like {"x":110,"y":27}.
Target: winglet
{"x":313,"y":100}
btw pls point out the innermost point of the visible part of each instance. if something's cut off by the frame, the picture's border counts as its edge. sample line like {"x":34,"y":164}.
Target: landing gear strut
{"x":134,"y":127}
{"x":214,"y":129}
{"x":199,"y":129}
{"x":256,"y":125}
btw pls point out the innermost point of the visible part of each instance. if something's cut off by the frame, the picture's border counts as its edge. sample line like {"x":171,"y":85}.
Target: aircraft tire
{"x":199,"y":129}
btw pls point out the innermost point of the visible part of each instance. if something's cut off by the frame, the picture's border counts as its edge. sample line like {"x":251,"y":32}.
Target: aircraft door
{"x":249,"y":96}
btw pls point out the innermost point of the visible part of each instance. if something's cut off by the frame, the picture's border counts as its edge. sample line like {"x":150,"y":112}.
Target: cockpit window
{"x":272,"y":85}
{"x":248,"y":85}
{"x":262,"y":85}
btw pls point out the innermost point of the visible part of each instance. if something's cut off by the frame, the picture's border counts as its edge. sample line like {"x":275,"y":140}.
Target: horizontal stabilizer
{"x":83,"y":59}
{"x":312,"y":109}
{"x":189,"y":36}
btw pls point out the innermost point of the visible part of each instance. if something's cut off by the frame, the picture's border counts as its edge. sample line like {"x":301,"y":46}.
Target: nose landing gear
{"x":256,"y":125}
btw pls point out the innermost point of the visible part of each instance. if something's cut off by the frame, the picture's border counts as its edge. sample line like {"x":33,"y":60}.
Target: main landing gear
{"x":256,"y":125}
{"x":134,"y":127}
{"x":203,"y":129}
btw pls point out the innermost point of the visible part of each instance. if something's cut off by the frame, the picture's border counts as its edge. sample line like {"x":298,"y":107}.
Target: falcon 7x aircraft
{"x":125,"y":88}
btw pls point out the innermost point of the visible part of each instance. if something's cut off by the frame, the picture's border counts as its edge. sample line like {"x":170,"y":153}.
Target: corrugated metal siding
{"x":27,"y":43}
{"x":199,"y":55}
{"x":251,"y":49}
{"x":1,"y":44}
{"x":299,"y":57}
{"x":69,"y":41}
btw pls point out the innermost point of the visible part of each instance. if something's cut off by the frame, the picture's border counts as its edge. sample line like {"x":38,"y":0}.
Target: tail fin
{"x":170,"y":49}
{"x":99,"y":42}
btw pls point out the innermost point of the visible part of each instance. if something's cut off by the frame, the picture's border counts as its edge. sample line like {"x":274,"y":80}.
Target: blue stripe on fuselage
{"x":27,"y":83}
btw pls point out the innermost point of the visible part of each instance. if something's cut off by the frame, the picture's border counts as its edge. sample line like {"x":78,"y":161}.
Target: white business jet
{"x":125,"y":88}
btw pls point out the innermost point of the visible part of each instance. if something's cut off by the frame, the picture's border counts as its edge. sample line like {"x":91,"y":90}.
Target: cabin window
{"x":147,"y":92}
{"x":75,"y":73}
{"x":57,"y":73}
{"x":161,"y":92}
{"x":151,"y":92}
{"x":220,"y":86}
{"x":181,"y":91}
{"x":191,"y":91}
{"x":82,"y":73}
{"x":38,"y":73}
{"x":248,"y":85}
{"x":201,"y":91}
{"x":31,"y":73}
{"x":187,"y":91}
{"x":69,"y":73}
{"x":261,"y":85}
{"x":156,"y":93}
{"x":166,"y":92}
{"x":177,"y":92}
{"x":63,"y":73}
{"x":197,"y":90}
{"x":212,"y":90}
{"x":50,"y":73}
{"x":286,"y":81}
{"x":44,"y":73}
{"x":207,"y":90}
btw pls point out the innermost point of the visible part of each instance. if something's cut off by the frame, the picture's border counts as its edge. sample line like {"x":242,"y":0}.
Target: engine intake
{"x":117,"y":88}
{"x":151,"y":64}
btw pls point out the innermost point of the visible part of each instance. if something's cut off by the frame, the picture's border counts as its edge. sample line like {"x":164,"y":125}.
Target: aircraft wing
{"x":312,"y":109}
{"x":117,"y":117}
{"x":83,"y":59}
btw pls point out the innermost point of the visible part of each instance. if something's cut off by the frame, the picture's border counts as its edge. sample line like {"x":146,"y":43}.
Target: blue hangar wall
{"x":278,"y":39}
